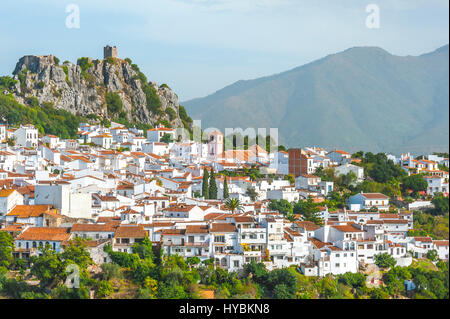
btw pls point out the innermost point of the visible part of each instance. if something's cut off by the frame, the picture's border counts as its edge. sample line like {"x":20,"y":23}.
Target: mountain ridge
{"x":346,"y":87}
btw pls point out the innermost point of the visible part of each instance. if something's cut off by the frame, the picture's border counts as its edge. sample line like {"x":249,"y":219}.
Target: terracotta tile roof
{"x":369,"y":222}
{"x":160,"y":224}
{"x":173,"y":231}
{"x":108,"y":199}
{"x":179,"y":208}
{"x":347,"y":228}
{"x":395,"y":221}
{"x":93,"y":228}
{"x":243,"y":219}
{"x":130,"y":232}
{"x":130,"y":211}
{"x":45,"y":234}
{"x":196,"y":229}
{"x":306,"y":225}
{"x":212,"y":215}
{"x":291,"y":231}
{"x":222,"y":228}
{"x":440,"y":242}
{"x":374,"y":195}
{"x":317,"y":243}
{"x":341,"y":152}
{"x":334,"y":248}
{"x":383,"y":216}
{"x":6,"y":192}
{"x":423,"y":239}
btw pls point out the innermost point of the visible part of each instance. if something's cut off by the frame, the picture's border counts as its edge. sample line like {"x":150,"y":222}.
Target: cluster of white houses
{"x":115,"y":186}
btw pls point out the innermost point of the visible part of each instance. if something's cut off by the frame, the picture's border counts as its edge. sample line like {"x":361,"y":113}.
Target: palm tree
{"x":234,"y":204}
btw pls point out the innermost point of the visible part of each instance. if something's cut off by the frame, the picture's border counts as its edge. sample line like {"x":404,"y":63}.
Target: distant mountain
{"x":363,"y":98}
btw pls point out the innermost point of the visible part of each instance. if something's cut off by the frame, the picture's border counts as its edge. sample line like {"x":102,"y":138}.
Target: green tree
{"x":283,"y":206}
{"x":76,"y":252}
{"x":379,"y":293}
{"x":282,"y":291}
{"x":415,"y":183}
{"x":309,"y":210}
{"x":282,"y":283}
{"x":441,"y":204}
{"x":110,"y":271}
{"x":212,"y":185}
{"x":380,"y":169}
{"x":226,"y":193}
{"x":7,"y":82}
{"x":167,"y":138}
{"x":193,"y":260}
{"x":144,"y":249}
{"x":205,"y":184}
{"x":385,"y":260}
{"x":234,"y":205}
{"x":6,"y":249}
{"x":432,"y":255}
{"x":252,"y":193}
{"x":48,"y":268}
{"x":104,"y":289}
{"x":113,"y":103}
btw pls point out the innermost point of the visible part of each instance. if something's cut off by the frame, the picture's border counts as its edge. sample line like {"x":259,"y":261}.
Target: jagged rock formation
{"x":81,"y":89}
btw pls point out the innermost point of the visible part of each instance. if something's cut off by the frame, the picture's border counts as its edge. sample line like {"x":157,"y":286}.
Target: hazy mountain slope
{"x":362,"y":98}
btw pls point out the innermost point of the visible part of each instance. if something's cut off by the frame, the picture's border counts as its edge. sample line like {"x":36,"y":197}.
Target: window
{"x":337,"y":265}
{"x":219,"y":239}
{"x":236,"y":263}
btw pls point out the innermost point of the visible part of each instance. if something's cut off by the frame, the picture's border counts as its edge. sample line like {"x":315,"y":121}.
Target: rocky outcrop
{"x":81,"y":89}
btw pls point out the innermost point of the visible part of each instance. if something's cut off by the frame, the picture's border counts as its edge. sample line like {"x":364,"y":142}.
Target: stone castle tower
{"x":109,"y":52}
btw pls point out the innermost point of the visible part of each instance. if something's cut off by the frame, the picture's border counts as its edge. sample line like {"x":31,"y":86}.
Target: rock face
{"x":83,"y":92}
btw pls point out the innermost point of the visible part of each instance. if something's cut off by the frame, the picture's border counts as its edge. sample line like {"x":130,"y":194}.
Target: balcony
{"x":196,"y":244}
{"x":252,"y":253}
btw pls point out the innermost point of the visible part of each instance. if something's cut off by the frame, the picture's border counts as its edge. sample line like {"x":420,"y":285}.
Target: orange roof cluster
{"x":6,"y":192}
{"x":110,"y":227}
{"x":45,"y":234}
{"x":347,"y":228}
{"x":131,"y":232}
{"x":25,"y":211}
{"x":222,"y":228}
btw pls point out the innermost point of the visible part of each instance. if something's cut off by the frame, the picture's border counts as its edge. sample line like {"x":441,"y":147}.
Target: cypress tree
{"x":212,"y":186}
{"x":226,"y":194}
{"x":205,"y":187}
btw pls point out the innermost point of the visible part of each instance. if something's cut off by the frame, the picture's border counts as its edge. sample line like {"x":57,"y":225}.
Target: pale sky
{"x":199,"y":46}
